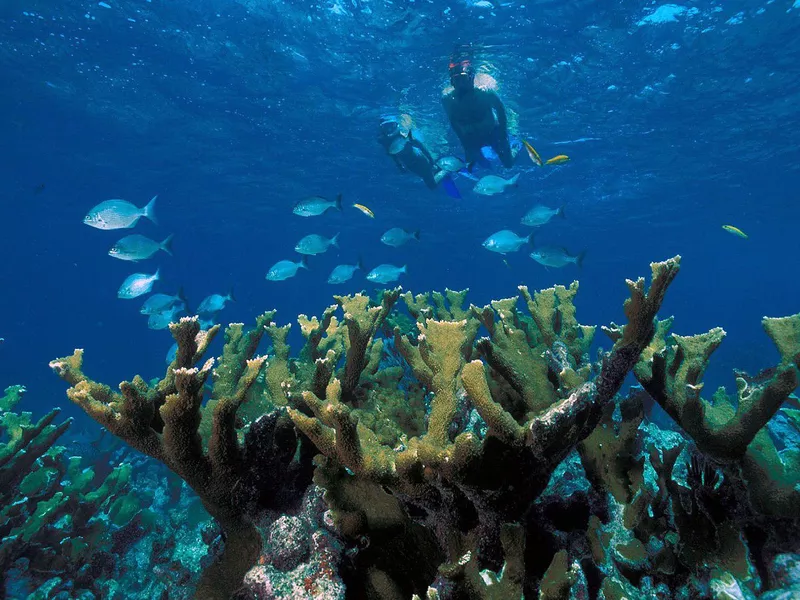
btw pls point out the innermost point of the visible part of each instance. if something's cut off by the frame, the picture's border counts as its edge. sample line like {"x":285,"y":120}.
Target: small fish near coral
{"x":285,"y":269}
{"x":343,"y":273}
{"x":137,"y":285}
{"x":139,"y":247}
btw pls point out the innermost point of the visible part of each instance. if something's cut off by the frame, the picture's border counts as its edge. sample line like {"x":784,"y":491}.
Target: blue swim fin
{"x":450,"y":187}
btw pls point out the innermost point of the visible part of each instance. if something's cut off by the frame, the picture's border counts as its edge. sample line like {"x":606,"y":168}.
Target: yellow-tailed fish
{"x":365,"y":210}
{"x":558,"y":160}
{"x":535,"y":158}
{"x":735,"y":231}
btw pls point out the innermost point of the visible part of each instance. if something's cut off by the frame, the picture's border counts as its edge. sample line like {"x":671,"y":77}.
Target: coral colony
{"x":437,"y":450}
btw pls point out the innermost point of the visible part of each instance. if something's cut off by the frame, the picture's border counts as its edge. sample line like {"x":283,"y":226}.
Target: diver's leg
{"x":502,"y":146}
{"x":430,"y":180}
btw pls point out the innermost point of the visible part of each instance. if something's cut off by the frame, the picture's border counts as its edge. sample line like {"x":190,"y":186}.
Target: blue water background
{"x":231,"y":112}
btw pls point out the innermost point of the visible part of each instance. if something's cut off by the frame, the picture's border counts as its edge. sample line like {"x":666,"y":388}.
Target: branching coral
{"x":163,"y":421}
{"x":56,"y":519}
{"x":465,"y":487}
{"x":434,"y":445}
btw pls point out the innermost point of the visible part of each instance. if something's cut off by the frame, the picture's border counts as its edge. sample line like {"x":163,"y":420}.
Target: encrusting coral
{"x":436,"y":449}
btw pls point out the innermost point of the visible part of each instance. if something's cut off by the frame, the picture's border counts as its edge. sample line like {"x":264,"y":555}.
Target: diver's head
{"x":389,"y":128}
{"x":462,"y":75}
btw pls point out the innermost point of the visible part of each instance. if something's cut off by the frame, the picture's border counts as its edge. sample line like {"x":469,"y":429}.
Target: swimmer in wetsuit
{"x":477,"y":116}
{"x":409,"y":154}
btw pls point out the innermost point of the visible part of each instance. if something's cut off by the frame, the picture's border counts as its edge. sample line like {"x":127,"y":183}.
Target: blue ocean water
{"x":677,"y":119}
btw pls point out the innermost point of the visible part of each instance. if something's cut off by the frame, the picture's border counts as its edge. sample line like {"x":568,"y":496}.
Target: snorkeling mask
{"x":462,"y":68}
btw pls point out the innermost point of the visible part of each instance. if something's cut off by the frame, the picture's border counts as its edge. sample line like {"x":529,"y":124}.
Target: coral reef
{"x":61,"y":526}
{"x":459,"y":466}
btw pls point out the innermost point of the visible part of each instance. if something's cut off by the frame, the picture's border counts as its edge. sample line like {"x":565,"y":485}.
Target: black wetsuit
{"x":413,"y":157}
{"x":478,"y":118}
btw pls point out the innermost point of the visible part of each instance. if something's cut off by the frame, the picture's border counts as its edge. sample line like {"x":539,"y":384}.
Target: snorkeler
{"x":477,"y":115}
{"x":409,"y":154}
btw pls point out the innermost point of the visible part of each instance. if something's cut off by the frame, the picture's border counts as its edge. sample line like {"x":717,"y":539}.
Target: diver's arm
{"x":447,"y":101}
{"x":500,"y":110}
{"x":417,"y":144}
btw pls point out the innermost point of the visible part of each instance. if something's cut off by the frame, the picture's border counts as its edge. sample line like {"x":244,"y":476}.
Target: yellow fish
{"x":735,"y":231}
{"x":365,"y":210}
{"x":535,"y":158}
{"x":558,"y":160}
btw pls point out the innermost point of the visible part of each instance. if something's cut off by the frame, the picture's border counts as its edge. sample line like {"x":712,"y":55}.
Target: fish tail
{"x":404,"y":269}
{"x":513,"y":181}
{"x":166,"y":245}
{"x":360,"y":264}
{"x":157,"y":275}
{"x":338,"y":203}
{"x":149,"y":210}
{"x":335,"y":241}
{"x":579,"y":259}
{"x":416,"y":235}
{"x":560,"y":212}
{"x":231,"y":297}
{"x":304,"y":262}
{"x":530,"y":239}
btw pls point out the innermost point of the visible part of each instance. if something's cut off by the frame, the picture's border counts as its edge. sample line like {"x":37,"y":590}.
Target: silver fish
{"x":316,"y":244}
{"x":385,"y":273}
{"x":162,"y":320}
{"x":316,"y":205}
{"x":160,"y":302}
{"x":489,"y":185}
{"x":138,"y":247}
{"x":284,"y":269}
{"x":119,"y":214}
{"x":541,"y":215}
{"x":137,"y":284}
{"x":555,"y":256}
{"x":505,"y":241}
{"x":214,"y":303}
{"x":451,"y":164}
{"x":397,"y":236}
{"x":342,"y":273}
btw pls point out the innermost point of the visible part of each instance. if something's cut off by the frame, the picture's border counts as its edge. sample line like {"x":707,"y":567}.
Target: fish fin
{"x":450,"y":188}
{"x":166,"y":245}
{"x":513,"y":181}
{"x":360,"y":264}
{"x":304,"y":262}
{"x":149,"y":210}
{"x":530,"y":238}
{"x":339,"y":201}
{"x":231,"y":297}
{"x":335,"y":241}
{"x":416,"y":235}
{"x":579,"y":259}
{"x":404,"y":269}
{"x":560,"y":212}
{"x":157,"y":274}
